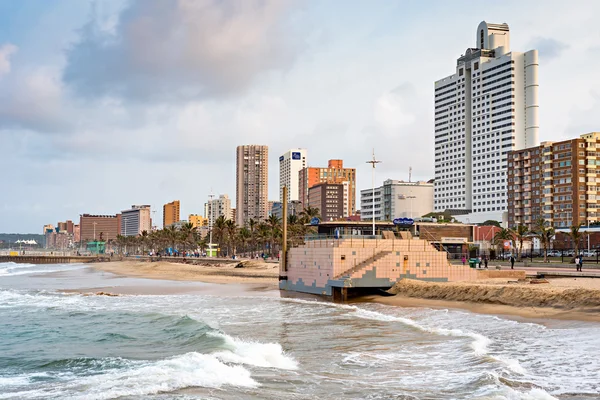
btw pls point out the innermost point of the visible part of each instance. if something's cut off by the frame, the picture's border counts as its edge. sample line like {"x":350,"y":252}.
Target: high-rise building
{"x":334,"y":173}
{"x":197,"y":220}
{"x":396,"y":199}
{"x":328,"y":198}
{"x":555,"y":181}
{"x":252,"y":188}
{"x":170,"y":213}
{"x":91,"y":226}
{"x":487,"y":108}
{"x":136,"y":220}
{"x":215,"y":208}
{"x":290,"y":164}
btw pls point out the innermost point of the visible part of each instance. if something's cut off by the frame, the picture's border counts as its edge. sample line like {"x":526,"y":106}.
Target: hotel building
{"x":290,"y":164}
{"x":90,"y":227}
{"x":334,"y":173}
{"x":197,"y":220}
{"x":215,"y":208}
{"x":486,"y":109}
{"x":136,"y":220}
{"x":171,"y":213}
{"x":252,"y":188}
{"x":396,"y":199}
{"x":328,"y":198}
{"x":556,"y":181}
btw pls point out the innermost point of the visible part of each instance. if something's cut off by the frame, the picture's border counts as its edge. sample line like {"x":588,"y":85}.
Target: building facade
{"x":215,"y":208}
{"x":90,"y":227}
{"x":252,"y":186}
{"x":197,"y":220}
{"x":136,"y":220}
{"x":334,"y":173}
{"x":171,"y":213}
{"x":397,"y":199}
{"x":290,"y":164}
{"x":556,"y":181}
{"x":328,"y":198}
{"x":486,"y":109}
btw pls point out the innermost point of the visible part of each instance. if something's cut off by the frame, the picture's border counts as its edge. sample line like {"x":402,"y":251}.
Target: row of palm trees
{"x":542,"y":230}
{"x":256,"y":237}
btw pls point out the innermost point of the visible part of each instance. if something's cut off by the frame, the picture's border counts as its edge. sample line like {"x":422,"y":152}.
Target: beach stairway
{"x":363,"y":264}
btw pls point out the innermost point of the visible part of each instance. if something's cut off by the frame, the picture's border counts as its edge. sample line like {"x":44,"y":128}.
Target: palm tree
{"x":144,"y":241}
{"x":576,"y":237}
{"x":520,"y":233}
{"x":231,"y":231}
{"x":244,"y":236}
{"x":273,"y":223}
{"x":252,"y":226}
{"x":503,"y":235}
{"x":219,"y":231}
{"x":544,"y":233}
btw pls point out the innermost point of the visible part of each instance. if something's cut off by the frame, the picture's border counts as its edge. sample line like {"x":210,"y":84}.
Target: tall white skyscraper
{"x":290,"y":164}
{"x":484,"y":110}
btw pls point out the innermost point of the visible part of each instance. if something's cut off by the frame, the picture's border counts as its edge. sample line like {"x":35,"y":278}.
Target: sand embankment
{"x":250,"y":271}
{"x":563,"y":294}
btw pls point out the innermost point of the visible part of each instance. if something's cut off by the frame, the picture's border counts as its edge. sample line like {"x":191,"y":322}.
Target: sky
{"x":105,"y":104}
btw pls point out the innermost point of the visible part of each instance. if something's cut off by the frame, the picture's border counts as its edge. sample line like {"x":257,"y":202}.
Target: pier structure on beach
{"x":350,"y":260}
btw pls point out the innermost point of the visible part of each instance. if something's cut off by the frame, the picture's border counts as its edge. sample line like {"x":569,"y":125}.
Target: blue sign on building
{"x":296,"y":155}
{"x":403,"y":221}
{"x":280,"y":158}
{"x":315,"y":221}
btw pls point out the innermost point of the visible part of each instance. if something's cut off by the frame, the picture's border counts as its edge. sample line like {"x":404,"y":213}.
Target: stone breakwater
{"x":517,"y":294}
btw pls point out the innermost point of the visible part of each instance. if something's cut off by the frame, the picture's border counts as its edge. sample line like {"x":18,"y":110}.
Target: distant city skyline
{"x":163,"y":121}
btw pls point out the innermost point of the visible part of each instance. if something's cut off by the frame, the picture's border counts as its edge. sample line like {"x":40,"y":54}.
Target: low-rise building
{"x":91,"y":226}
{"x":397,"y":199}
{"x":136,"y":220}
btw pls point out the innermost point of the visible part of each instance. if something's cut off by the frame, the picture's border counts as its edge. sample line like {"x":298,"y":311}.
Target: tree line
{"x":542,"y":230}
{"x":256,"y":237}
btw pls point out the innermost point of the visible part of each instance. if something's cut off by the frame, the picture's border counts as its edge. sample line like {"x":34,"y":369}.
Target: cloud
{"x":181,"y":50}
{"x":6,"y":51}
{"x":393,"y":109}
{"x":548,"y":48}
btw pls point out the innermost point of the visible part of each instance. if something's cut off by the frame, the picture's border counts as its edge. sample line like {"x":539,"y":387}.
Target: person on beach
{"x":464,"y":260}
{"x":577,"y":263}
{"x":512,"y":262}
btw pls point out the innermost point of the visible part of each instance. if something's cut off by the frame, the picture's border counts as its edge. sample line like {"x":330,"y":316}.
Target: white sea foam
{"x":14,"y":269}
{"x":268,"y":355}
{"x":187,"y":370}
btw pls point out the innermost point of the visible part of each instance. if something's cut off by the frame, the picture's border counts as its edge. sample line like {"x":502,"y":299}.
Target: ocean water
{"x":195,"y":344}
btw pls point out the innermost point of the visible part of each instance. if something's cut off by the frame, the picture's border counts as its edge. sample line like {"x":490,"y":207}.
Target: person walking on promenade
{"x":580,"y":264}
{"x":485,"y":261}
{"x":577,"y":263}
{"x":512,"y":262}
{"x":464,"y":260}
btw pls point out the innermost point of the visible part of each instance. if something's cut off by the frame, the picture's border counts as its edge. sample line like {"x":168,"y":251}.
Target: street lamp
{"x":94,"y":223}
{"x":373,"y":162}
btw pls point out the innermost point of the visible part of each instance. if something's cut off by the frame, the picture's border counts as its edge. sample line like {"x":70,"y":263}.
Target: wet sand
{"x":255,"y":272}
{"x":563,"y":299}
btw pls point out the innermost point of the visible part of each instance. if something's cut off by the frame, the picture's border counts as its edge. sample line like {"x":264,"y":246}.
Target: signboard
{"x":280,"y":158}
{"x":315,"y":221}
{"x":296,"y":155}
{"x":507,"y":244}
{"x":403,"y":221}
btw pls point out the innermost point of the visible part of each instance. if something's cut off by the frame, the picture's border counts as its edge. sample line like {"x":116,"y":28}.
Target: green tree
{"x":491,"y":222}
{"x":544,"y":232}
{"x":576,"y":236}
{"x":503,"y":235}
{"x":220,"y":231}
{"x":520,"y":233}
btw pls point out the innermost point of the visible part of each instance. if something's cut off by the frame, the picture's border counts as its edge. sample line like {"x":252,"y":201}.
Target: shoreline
{"x":492,"y":297}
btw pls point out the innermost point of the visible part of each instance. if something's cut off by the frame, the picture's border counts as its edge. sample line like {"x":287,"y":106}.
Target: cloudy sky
{"x":109,"y":103}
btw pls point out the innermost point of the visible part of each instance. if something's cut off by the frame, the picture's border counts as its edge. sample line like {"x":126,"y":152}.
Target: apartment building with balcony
{"x":556,"y":181}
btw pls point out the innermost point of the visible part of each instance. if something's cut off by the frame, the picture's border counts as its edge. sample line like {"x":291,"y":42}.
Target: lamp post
{"x":94,"y":223}
{"x":373,"y":162}
{"x":210,"y":221}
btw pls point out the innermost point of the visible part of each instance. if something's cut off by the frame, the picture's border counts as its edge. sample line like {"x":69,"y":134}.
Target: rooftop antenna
{"x":373,"y":162}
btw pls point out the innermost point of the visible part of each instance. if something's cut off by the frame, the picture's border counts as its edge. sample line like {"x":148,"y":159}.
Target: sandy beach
{"x":250,"y":271}
{"x":563,"y":298}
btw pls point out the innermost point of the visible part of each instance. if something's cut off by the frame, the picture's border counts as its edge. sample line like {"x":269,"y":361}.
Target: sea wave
{"x":14,"y":269}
